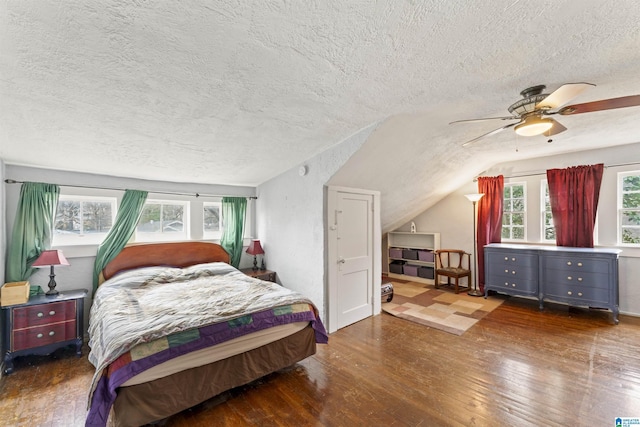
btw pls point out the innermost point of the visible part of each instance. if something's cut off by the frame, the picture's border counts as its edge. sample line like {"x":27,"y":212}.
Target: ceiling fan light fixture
{"x":533,"y":125}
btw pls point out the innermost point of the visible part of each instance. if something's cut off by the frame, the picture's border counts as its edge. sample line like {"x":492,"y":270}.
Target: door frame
{"x":331,"y":260}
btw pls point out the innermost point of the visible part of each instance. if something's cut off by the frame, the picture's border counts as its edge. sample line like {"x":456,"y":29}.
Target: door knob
{"x":341,"y":260}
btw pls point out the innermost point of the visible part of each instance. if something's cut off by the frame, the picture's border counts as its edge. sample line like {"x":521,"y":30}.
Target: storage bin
{"x":425,"y":255}
{"x":410,"y":270}
{"x":395,"y":253}
{"x":425,"y":272}
{"x":396,"y":267}
{"x":14,"y":293}
{"x":410,"y":254}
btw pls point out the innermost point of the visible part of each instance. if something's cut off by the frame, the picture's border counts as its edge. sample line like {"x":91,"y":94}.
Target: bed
{"x":173,"y":324}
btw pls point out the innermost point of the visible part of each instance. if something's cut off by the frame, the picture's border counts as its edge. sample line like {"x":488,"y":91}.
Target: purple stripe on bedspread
{"x":210,"y":335}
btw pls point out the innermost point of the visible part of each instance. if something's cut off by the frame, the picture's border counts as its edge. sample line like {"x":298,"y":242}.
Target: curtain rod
{"x":13,"y":181}
{"x":524,"y":175}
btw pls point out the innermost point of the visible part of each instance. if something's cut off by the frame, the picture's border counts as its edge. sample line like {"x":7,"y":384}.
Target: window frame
{"x":212,"y":235}
{"x":511,"y":212}
{"x":544,"y":196}
{"x":66,"y":240}
{"x":622,"y":210}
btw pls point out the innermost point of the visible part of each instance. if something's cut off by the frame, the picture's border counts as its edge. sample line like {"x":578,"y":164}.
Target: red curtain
{"x":574,"y":194}
{"x":489,"y":218}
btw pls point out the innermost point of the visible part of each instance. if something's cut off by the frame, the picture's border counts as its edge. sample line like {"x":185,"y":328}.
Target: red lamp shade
{"x":51,"y":257}
{"x":255,"y":248}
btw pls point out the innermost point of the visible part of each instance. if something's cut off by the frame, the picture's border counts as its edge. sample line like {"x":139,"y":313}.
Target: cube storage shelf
{"x":411,"y":255}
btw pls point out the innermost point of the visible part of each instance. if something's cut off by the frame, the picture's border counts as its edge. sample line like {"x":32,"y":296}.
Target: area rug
{"x":438,"y":309}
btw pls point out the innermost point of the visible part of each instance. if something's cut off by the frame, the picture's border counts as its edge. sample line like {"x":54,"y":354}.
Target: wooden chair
{"x":451,"y":263}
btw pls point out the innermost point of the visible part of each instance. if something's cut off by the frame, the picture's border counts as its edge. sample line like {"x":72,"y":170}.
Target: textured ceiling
{"x":237,"y":92}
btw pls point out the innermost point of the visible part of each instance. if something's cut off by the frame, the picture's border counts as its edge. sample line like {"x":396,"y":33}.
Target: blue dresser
{"x":576,"y":276}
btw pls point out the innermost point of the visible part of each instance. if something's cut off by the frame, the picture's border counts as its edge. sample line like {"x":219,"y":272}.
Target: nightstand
{"x":42,"y":325}
{"x":268,"y":275}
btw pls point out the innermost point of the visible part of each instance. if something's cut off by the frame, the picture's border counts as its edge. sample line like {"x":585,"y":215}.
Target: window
{"x":548,"y":229}
{"x":513,"y":214}
{"x":212,"y":220}
{"x":163,"y":220}
{"x":82,"y":220}
{"x":629,"y":208}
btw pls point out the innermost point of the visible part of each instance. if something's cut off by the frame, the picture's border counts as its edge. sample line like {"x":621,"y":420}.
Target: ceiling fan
{"x":532,"y":110}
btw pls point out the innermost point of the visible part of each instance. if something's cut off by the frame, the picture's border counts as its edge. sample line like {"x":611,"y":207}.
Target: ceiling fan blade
{"x":493,"y":132}
{"x":603,"y":104}
{"x":562,"y":95}
{"x":555,"y":129}
{"x":486,"y":118}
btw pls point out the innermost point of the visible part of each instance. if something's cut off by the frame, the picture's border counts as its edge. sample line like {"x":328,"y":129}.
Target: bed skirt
{"x":156,"y":400}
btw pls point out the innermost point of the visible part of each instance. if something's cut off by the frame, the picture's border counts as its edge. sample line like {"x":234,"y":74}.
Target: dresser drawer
{"x":578,"y":293}
{"x":43,"y":335}
{"x":44,"y":314}
{"x":513,"y":273}
{"x":581,"y":278}
{"x":514,"y":285}
{"x":513,"y":260}
{"x":577,"y":264}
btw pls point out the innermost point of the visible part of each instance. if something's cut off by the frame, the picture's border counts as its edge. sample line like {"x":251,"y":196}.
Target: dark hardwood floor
{"x":516,"y":367}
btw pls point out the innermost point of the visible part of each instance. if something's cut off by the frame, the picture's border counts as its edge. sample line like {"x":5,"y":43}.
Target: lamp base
{"x":52,"y":284}
{"x":475,"y":293}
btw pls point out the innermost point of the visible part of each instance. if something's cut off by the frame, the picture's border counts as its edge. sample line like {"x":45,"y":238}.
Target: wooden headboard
{"x":176,"y":254}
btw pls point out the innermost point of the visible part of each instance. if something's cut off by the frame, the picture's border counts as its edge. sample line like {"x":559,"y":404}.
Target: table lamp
{"x":51,"y":258}
{"x":255,"y":249}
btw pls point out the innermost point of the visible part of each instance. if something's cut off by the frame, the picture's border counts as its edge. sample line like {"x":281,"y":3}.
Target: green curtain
{"x":33,"y":228}
{"x":124,"y":226}
{"x":233,"y":215}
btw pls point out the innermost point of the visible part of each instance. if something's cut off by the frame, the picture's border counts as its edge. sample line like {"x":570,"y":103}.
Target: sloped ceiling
{"x":237,"y":92}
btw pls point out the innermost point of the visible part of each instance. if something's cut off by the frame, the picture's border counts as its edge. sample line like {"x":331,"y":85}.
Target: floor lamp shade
{"x":474,"y":199}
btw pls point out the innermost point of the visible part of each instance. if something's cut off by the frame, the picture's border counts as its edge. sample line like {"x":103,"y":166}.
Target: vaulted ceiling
{"x":237,"y":92}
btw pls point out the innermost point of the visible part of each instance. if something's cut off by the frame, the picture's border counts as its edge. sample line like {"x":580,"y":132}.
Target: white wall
{"x":79,"y":275}
{"x":291,"y":221}
{"x":453,"y":216}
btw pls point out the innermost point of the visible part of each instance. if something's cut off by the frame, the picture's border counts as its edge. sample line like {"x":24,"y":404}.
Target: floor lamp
{"x":475,"y":292}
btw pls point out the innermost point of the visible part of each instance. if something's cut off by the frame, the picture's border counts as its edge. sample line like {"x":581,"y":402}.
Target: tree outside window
{"x":629,"y":208}
{"x":83,"y":220}
{"x":514,"y":212}
{"x":163,"y":220}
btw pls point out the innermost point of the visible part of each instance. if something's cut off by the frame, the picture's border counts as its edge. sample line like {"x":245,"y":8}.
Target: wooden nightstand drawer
{"x":43,"y":335}
{"x":44,"y":314}
{"x":268,"y":275}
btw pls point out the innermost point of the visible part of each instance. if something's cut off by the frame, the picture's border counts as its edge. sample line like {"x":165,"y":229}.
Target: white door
{"x":352,"y":253}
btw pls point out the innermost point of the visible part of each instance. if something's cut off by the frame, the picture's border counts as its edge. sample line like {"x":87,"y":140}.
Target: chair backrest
{"x":452,"y":258}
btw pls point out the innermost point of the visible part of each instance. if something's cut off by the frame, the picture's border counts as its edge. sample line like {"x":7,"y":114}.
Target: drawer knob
{"x":40,"y":314}
{"x":506,"y":271}
{"x":569,"y":278}
{"x":579,"y":294}
{"x":579,"y":264}
{"x":39,"y":335}
{"x":579,"y":279}
{"x":513,"y":259}
{"x":568,"y":262}
{"x":52,"y":313}
{"x":506,"y":258}
{"x":52,"y":333}
{"x":569,"y":293}
{"x":513,"y":284}
{"x":506,"y":283}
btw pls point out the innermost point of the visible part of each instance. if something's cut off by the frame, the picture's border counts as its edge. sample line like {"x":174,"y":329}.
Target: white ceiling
{"x":237,"y":92}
